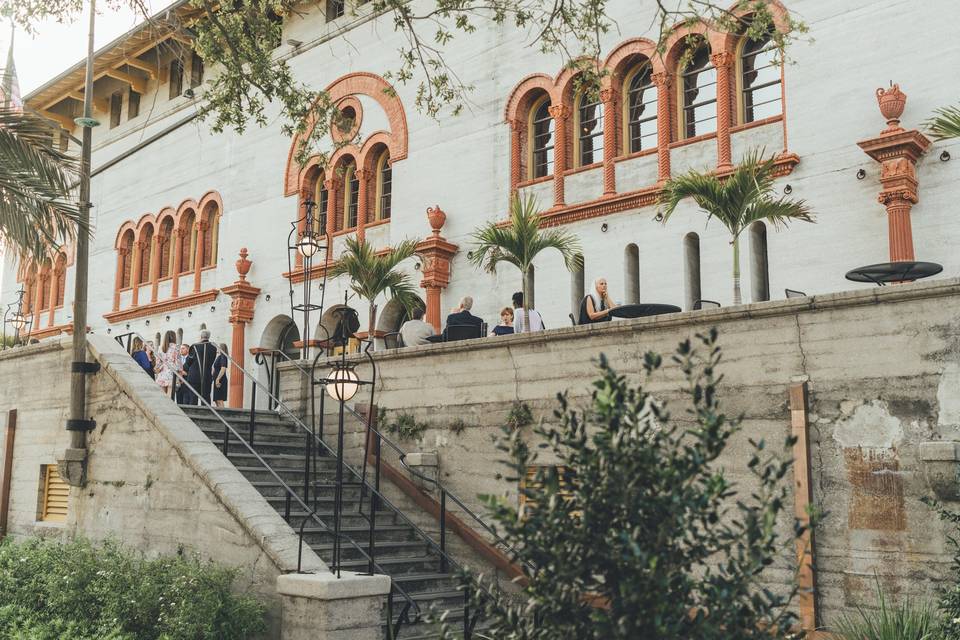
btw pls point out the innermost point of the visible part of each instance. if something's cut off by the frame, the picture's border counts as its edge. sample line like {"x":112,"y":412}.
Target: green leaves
{"x":37,"y":213}
{"x":634,"y":530}
{"x":373,"y":273}
{"x":945,"y":123}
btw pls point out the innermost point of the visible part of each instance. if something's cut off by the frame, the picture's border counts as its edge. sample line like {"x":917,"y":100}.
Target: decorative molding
{"x":171,"y":304}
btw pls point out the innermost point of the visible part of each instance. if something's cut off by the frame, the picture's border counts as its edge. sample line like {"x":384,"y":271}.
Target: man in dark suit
{"x":199,"y":367}
{"x":462,"y":316}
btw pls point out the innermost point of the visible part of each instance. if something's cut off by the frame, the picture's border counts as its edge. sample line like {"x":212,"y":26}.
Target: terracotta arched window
{"x":126,"y":259}
{"x":321,"y":196}
{"x":60,"y":278}
{"x":212,"y":224}
{"x":540,"y":127}
{"x":188,"y":245}
{"x":384,"y":193}
{"x":166,"y":248}
{"x":45,"y":286}
{"x":698,"y":93}
{"x":146,"y":253}
{"x":759,"y":75}
{"x":639,"y":109}
{"x":588,"y":124}
{"x":351,"y":196}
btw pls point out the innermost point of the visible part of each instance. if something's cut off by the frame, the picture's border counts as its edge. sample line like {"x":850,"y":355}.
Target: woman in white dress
{"x":169,"y":361}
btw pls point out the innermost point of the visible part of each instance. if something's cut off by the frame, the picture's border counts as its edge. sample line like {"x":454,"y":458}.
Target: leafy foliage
{"x":405,"y":426}
{"x":949,"y":602}
{"x":737,"y":201}
{"x":36,"y":212}
{"x":643,"y":535}
{"x":458,"y":426}
{"x":945,"y":123}
{"x":75,"y":590}
{"x":907,"y":621}
{"x":520,"y":416}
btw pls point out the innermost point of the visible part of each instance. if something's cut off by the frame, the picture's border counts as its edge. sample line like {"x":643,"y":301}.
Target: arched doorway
{"x":327,"y":327}
{"x":392,"y":317}
{"x":281,"y":334}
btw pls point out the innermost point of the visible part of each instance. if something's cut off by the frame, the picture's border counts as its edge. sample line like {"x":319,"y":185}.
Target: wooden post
{"x":7,"y":470}
{"x":803,"y":498}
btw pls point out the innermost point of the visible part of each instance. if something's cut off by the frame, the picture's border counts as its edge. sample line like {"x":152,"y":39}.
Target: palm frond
{"x":374,"y":273}
{"x":945,"y":123}
{"x":36,"y":180}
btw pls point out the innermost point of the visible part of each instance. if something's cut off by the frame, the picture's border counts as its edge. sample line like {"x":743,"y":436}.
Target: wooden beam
{"x":179,"y":37}
{"x":803,"y":498}
{"x":5,"y":480}
{"x":151,"y":69}
{"x":65,"y":122}
{"x":136,"y":83}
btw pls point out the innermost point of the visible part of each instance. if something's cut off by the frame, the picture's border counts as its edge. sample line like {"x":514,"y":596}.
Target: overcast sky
{"x":57,"y":47}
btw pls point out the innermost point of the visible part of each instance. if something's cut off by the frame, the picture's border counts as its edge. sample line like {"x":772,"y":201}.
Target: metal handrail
{"x":311,"y":513}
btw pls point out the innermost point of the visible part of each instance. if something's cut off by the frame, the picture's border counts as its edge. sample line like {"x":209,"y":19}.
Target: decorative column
{"x":436,"y":253}
{"x":198,"y":254}
{"x":331,"y":186}
{"x":723,"y":62}
{"x":609,"y":99}
{"x":363,"y":177}
{"x":136,"y":271}
{"x":559,"y":113}
{"x":52,"y":297}
{"x":178,"y":236}
{"x":118,"y":278}
{"x":155,"y":255}
{"x":897,"y":150}
{"x":244,"y":297}
{"x":663,"y":81}
{"x":518,"y":129}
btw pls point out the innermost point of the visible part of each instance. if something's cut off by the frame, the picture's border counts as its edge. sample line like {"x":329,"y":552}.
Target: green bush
{"x":406,"y":427}
{"x":75,"y":590}
{"x":909,"y":620}
{"x":949,"y":602}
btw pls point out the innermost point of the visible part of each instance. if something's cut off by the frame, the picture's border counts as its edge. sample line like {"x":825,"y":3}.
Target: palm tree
{"x":737,"y":201}
{"x":519,"y":243}
{"x":945,"y":123}
{"x":373,"y":272}
{"x":36,"y":213}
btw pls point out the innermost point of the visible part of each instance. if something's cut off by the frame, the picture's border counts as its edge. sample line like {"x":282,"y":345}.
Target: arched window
{"x":146,"y":253}
{"x":589,"y":127}
{"x":30,"y":290}
{"x":760,"y":95}
{"x":759,"y":267}
{"x":631,"y":274}
{"x":384,"y":186}
{"x":541,"y":139}
{"x":351,"y":193}
{"x":126,"y":259}
{"x":640,"y":110}
{"x":45,"y":287}
{"x":321,"y":196}
{"x":691,"y":268}
{"x":188,"y":245}
{"x":212,"y":224}
{"x":699,"y":94}
{"x":61,"y":278}
{"x":166,"y":248}
{"x":576,"y":287}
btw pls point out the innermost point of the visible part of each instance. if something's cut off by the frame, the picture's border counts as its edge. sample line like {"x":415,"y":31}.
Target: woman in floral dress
{"x":169,"y":361}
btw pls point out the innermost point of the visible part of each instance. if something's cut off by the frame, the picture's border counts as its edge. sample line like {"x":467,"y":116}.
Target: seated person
{"x":462,"y":316}
{"x":505,"y":327}
{"x":596,"y":309}
{"x":415,"y":331}
{"x":521,"y":325}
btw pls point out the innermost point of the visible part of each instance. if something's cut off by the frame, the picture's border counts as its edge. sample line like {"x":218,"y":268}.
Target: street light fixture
{"x":343,"y":382}
{"x":14,"y":317}
{"x":304,"y":241}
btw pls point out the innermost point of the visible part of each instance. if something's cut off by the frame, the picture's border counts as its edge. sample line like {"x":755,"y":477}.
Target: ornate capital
{"x":722,"y":59}
{"x":518,"y":125}
{"x":661,"y":79}
{"x":123,"y":251}
{"x":329,"y":184}
{"x":608,"y":95}
{"x":559,"y":111}
{"x":362,"y":174}
{"x":894,"y":197}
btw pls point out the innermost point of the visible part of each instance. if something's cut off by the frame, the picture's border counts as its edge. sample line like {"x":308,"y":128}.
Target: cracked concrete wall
{"x":155,"y":481}
{"x":883,"y":367}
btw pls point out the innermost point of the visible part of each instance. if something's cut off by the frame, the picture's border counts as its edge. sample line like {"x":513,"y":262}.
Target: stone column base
{"x":322,"y":607}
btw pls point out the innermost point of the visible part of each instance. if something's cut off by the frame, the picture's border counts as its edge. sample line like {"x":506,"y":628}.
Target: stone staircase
{"x":402,"y":552}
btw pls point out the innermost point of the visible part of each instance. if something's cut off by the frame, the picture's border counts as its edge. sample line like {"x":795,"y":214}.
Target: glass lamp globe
{"x":308,"y":245}
{"x":342,"y":384}
{"x":18,"y":322}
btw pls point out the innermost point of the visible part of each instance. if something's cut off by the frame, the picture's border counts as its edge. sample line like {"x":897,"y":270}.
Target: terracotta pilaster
{"x":52,"y":298}
{"x":137,"y":271}
{"x":155,"y":255}
{"x":897,"y":150}
{"x":517,"y":130}
{"x":331,"y":186}
{"x":609,"y":99}
{"x":118,"y":278}
{"x":663,"y":81}
{"x":436,"y":253}
{"x":723,"y":62}
{"x":363,"y":178}
{"x":178,"y":236}
{"x":198,"y":254}
{"x":559,"y":113}
{"x":244,"y":298}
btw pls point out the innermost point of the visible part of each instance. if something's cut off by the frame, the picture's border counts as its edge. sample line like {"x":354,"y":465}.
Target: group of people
{"x":203,"y":365}
{"x":594,"y":307}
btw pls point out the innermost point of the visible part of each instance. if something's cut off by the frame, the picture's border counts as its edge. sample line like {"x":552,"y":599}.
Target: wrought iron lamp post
{"x":14,"y":318}
{"x":305,"y":241}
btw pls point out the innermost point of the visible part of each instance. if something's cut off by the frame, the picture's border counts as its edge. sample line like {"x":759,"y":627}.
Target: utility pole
{"x":74,"y":466}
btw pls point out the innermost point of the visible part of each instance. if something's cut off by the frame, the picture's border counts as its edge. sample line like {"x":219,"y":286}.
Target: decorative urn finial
{"x":437,"y":218}
{"x":243,"y":265}
{"x":892,"y":101}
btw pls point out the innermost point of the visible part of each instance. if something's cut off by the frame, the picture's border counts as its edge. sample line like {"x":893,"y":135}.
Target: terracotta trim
{"x":756,"y":123}
{"x":55,"y":330}
{"x":5,"y":481}
{"x":586,"y":167}
{"x":693,"y":140}
{"x":171,"y":304}
{"x":528,"y":183}
{"x":637,"y":154}
{"x":465,"y":532}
